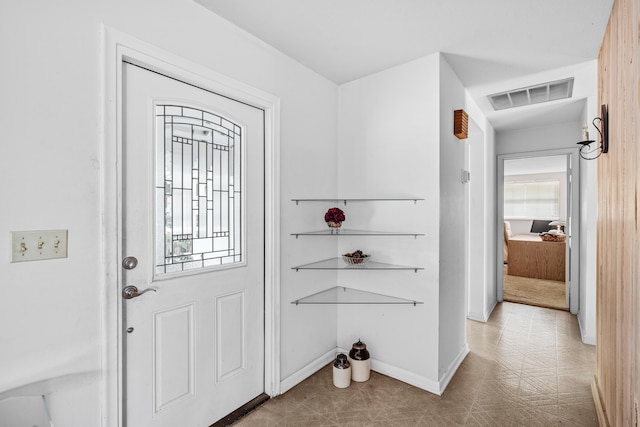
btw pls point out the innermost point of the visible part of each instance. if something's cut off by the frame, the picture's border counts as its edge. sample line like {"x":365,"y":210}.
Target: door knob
{"x":131,"y":291}
{"x":129,"y":263}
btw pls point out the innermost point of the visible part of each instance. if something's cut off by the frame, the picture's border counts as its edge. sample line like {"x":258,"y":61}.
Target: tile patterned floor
{"x":527,"y":367}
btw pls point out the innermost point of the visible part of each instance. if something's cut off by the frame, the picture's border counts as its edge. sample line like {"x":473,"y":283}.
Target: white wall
{"x":50,"y":311}
{"x":482,"y":296}
{"x":454,"y":214}
{"x":588,"y":224}
{"x":389,"y":147}
{"x":50,"y":109}
{"x":538,"y":138}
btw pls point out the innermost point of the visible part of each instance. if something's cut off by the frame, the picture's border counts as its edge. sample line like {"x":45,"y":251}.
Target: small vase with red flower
{"x":334,"y":218}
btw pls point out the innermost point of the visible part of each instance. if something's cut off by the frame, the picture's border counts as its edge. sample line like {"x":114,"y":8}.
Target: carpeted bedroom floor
{"x":538,"y":292}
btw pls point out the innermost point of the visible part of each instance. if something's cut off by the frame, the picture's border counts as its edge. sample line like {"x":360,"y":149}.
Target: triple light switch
{"x":38,"y":245}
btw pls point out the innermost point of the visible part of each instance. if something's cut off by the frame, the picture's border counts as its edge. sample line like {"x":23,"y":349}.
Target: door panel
{"x":230,"y":334}
{"x":174,"y":356}
{"x":193,"y":166}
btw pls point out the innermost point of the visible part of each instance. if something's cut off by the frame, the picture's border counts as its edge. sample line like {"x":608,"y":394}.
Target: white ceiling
{"x":492,"y":45}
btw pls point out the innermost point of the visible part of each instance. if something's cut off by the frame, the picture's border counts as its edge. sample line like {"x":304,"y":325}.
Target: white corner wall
{"x":388,"y":147}
{"x":51,"y":311}
{"x":396,"y":140}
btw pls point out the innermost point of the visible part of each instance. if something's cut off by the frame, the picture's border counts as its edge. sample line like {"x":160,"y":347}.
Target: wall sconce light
{"x":585,"y":145}
{"x":460,"y":124}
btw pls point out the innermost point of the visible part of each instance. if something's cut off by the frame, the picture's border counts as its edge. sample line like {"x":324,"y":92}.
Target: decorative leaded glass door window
{"x":198,"y":190}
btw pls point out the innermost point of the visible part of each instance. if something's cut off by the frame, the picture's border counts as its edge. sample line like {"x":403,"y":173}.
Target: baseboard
{"x":586,"y":339}
{"x":376,"y":365}
{"x":476,"y":316}
{"x":484,"y":317}
{"x":406,"y":376}
{"x":597,"y":401}
{"x":451,"y":370}
{"x":490,"y":310}
{"x":310,"y":369}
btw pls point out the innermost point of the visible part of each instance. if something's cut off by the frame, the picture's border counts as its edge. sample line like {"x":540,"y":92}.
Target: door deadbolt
{"x":129,"y":263}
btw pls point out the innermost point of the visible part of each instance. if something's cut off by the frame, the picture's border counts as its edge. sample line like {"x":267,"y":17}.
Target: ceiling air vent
{"x":545,"y":92}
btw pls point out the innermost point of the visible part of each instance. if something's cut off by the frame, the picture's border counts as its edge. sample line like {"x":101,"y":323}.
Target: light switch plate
{"x":465,"y":176}
{"x":38,"y":245}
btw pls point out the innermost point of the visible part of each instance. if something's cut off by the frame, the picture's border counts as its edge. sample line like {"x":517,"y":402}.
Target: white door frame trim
{"x":117,"y":47}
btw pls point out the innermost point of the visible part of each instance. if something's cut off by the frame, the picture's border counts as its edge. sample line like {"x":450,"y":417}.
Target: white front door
{"x":193,"y":239}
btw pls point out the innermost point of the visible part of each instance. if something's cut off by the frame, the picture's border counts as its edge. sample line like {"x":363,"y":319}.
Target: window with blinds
{"x":532,"y":199}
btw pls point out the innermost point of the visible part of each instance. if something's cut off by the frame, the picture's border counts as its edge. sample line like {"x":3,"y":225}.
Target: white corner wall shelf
{"x":347,"y":232}
{"x":346,"y":200}
{"x":339,"y":264}
{"x":344,"y":295}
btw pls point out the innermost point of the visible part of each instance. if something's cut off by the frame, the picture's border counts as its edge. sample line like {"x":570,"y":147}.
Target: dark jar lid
{"x":359,"y":351}
{"x":341,"y":361}
{"x":359,"y":345}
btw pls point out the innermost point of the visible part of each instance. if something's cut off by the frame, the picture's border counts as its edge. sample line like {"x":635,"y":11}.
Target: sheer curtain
{"x":532,"y":199}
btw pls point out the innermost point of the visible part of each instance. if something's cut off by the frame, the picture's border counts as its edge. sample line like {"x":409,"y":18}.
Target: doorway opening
{"x":535,"y":212}
{"x":537,"y":206}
